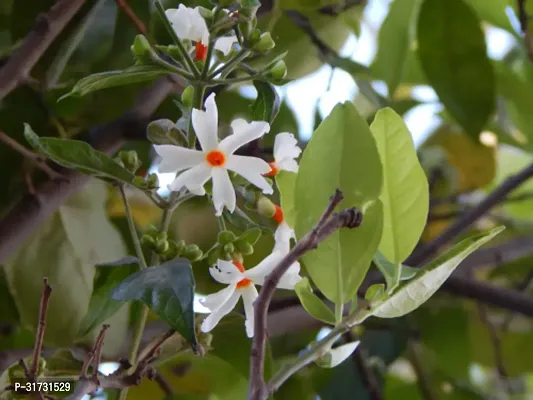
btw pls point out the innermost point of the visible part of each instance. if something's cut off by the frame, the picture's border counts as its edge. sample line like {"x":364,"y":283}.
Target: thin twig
{"x":163,"y":384}
{"x":30,"y":377}
{"x":45,"y":29}
{"x":45,"y":297}
{"x":128,"y":11}
{"x":413,"y":351}
{"x":34,"y":157}
{"x":523,"y":17}
{"x":522,"y":286}
{"x":327,"y":225}
{"x":98,"y":350}
{"x":496,"y":342}
{"x":468,"y":218}
{"x":368,"y":377}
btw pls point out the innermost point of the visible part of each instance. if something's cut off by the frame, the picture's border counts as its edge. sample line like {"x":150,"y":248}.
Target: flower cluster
{"x":213,"y":162}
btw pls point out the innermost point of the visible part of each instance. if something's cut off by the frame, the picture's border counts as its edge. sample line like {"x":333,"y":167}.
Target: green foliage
{"x":312,"y":304}
{"x":405,"y":193}
{"x":341,"y":147}
{"x":168,"y":290}
{"x":464,"y":84}
{"x":415,"y":292}
{"x":267,"y":104}
{"x":285,"y":182}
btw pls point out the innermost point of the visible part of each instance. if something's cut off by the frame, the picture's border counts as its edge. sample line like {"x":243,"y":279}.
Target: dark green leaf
{"x":251,"y":235}
{"x":312,"y":304}
{"x":168,"y":290}
{"x":267,"y":103}
{"x":101,"y":306}
{"x":78,"y":155}
{"x":104,"y":80}
{"x":453,"y":54}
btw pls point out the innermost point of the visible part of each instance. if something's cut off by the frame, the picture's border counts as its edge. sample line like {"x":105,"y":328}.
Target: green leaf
{"x":417,"y":291}
{"x":393,"y":273}
{"x":78,"y":155}
{"x":286,"y":182}
{"x":168,"y":290}
{"x":341,"y":154}
{"x":64,"y":249}
{"x":62,"y":362}
{"x":453,"y":55}
{"x":405,"y":193}
{"x":394,"y":40}
{"x":494,"y":12}
{"x":101,"y":306}
{"x":267,"y":103}
{"x":109,"y":79}
{"x":251,"y":236}
{"x":312,"y":304}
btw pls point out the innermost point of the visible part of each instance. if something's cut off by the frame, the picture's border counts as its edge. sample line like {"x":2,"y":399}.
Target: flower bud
{"x":265,"y":44}
{"x":254,"y":38}
{"x":161,"y":246}
{"x":226,"y":237}
{"x":278,"y":70}
{"x":229,"y":248}
{"x":172,"y":251}
{"x":130,"y":160}
{"x":139,"y":181}
{"x":152,"y":182}
{"x":244,"y":247}
{"x":193,"y":253}
{"x":141,"y":48}
{"x":237,"y":257}
{"x":161,"y":236}
{"x":265,"y":207}
{"x":152,"y":231}
{"x":187,"y":96}
{"x":148,"y":241}
{"x":205,"y":13}
{"x":181,"y":246}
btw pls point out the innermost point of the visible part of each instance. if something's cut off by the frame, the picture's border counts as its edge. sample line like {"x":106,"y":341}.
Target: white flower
{"x":188,"y":23}
{"x":215,"y":159}
{"x":285,"y":151}
{"x":241,"y":283}
{"x":282,"y":238}
{"x":225,"y":44}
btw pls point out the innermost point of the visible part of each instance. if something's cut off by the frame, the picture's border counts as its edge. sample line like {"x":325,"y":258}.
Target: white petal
{"x":291,"y":277}
{"x":200,"y":28}
{"x":282,"y":237}
{"x":249,"y":294}
{"x":225,"y":308}
{"x":251,"y":169}
{"x":339,"y":354}
{"x":188,"y":24}
{"x":225,"y":44}
{"x":193,"y":178}
{"x":226,"y":272}
{"x":205,"y":124}
{"x":214,"y":300}
{"x":200,"y":191}
{"x":258,"y":273}
{"x":286,"y":146}
{"x":288,"y":164}
{"x":176,"y":158}
{"x":243,"y":132}
{"x":223,"y":191}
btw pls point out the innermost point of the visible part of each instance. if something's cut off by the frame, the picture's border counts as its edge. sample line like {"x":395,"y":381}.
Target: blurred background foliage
{"x":450,"y":348}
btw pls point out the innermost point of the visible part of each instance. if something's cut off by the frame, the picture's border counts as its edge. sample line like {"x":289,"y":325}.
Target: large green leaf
{"x":405,"y":193}
{"x":494,"y":12}
{"x":394,"y":39}
{"x":312,"y":304}
{"x":285,"y":182}
{"x":267,"y":103}
{"x":101,"y":306}
{"x":341,"y":154}
{"x":417,"y":291}
{"x":109,"y":79}
{"x":78,"y":155}
{"x":453,"y":54}
{"x":64,"y":249}
{"x":168,"y":290}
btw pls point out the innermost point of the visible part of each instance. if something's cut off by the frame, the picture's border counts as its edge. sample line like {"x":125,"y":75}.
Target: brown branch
{"x":120,"y":379}
{"x":127,"y":10}
{"x":327,"y":225}
{"x":43,"y":310}
{"x":49,"y":195}
{"x":45,"y":29}
{"x":163,"y":384}
{"x":462,"y":223}
{"x":523,"y":17}
{"x":34,"y":157}
{"x":523,"y":286}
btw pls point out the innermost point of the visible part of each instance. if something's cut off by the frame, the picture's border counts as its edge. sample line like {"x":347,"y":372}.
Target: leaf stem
{"x":184,"y":53}
{"x":228,"y":67}
{"x":133,"y":230}
{"x":228,"y":81}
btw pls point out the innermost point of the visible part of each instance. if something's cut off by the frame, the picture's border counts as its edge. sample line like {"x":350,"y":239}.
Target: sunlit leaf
{"x":286,"y":182}
{"x":312,"y":304}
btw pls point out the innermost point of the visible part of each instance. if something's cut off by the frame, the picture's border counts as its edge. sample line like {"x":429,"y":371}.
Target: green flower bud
{"x":130,"y":160}
{"x":205,"y":13}
{"x":161,"y":236}
{"x":148,"y":241}
{"x":139,"y":181}
{"x":161,"y":246}
{"x":187,"y":96}
{"x":244,"y":247}
{"x":265,"y":44}
{"x":181,"y":246}
{"x":141,"y":48}
{"x":265,"y":207}
{"x":229,"y":248}
{"x":278,"y":70}
{"x":152,"y":230}
{"x":152,"y":182}
{"x":193,"y":253}
{"x":254,"y":38}
{"x":172,"y":251}
{"x":226,"y":237}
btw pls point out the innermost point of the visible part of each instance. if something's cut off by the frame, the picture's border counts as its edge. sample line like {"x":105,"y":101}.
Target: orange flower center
{"x":278,"y":214}
{"x":243,"y":282}
{"x":216,"y":158}
{"x":274,"y":170}
{"x":201,"y":51}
